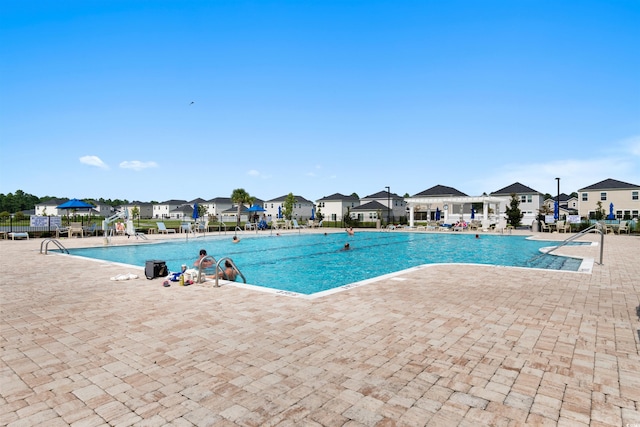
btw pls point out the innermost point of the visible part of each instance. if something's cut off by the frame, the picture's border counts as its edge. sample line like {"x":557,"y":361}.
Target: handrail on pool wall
{"x":597,"y":227}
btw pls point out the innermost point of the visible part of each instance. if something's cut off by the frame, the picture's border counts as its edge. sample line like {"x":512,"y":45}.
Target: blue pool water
{"x":310,"y":263}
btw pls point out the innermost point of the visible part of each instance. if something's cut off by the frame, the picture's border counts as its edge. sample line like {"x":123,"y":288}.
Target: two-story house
{"x":621,"y":199}
{"x":335,"y":207}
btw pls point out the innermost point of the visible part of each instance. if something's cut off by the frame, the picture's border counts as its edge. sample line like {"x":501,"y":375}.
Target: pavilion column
{"x":485,"y":210}
{"x":411,"y":214}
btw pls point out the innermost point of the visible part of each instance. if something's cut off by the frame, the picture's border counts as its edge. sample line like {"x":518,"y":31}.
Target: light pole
{"x":388,"y":204}
{"x":557,"y":213}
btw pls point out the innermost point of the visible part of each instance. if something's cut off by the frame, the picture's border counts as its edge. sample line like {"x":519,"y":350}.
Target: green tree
{"x":240,"y":197}
{"x":287,"y":206}
{"x":514,"y":216}
{"x":599,"y":214}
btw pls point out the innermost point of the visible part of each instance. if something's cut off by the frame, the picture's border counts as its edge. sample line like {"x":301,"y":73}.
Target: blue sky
{"x":157,"y":100}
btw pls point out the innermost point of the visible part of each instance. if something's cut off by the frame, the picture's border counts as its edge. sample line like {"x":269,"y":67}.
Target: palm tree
{"x":240,"y":197}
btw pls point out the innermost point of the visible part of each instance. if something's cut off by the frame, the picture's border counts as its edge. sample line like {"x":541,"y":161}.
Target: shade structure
{"x":75,"y":204}
{"x":256,"y":208}
{"x":195,"y":214}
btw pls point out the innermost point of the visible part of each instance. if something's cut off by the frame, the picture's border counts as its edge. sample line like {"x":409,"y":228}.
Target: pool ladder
{"x":218,"y":269}
{"x":45,"y":245}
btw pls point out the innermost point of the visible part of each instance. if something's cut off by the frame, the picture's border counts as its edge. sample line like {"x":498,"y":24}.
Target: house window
{"x":634,"y":214}
{"x":603,"y":196}
{"x":585,"y":197}
{"x":634,"y":195}
{"x":523,"y":199}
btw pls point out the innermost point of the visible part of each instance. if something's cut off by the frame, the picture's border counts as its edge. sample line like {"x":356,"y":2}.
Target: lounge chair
{"x":92,"y":230}
{"x":561,"y":226}
{"x":296,"y":225}
{"x":61,"y":230}
{"x":186,"y":227}
{"x":544,"y":227}
{"x":76,"y":228}
{"x":624,"y":226}
{"x":19,"y":235}
{"x":162,"y":229}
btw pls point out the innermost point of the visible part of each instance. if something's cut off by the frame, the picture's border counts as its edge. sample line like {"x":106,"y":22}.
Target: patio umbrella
{"x":611,"y":215}
{"x":195,"y":214}
{"x":75,"y":204}
{"x":256,"y":208}
{"x":279,"y":212}
{"x":473,"y":213}
{"x":437,"y":214}
{"x":313,"y":214}
{"x":556,"y":210}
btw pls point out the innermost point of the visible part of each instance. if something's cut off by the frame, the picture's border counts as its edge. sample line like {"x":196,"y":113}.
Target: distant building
{"x":335,"y":207}
{"x":621,"y":197}
{"x":301,"y":208}
{"x":390,"y":201}
{"x":530,"y":200}
{"x":163,"y":210}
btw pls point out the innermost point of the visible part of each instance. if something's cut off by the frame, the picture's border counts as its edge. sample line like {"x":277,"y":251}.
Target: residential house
{"x":568,"y":204}
{"x":530,"y":200}
{"x":216,"y":206}
{"x":393,"y":203}
{"x":438,"y":201}
{"x":335,"y":207}
{"x":163,"y":209}
{"x":145,"y":209}
{"x":371,"y":212}
{"x":612,"y":196}
{"x":50,"y":208}
{"x":302,"y":208}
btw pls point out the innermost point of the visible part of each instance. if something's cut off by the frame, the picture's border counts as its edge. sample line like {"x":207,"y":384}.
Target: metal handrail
{"x":200,"y":272}
{"x":55,"y":242}
{"x":233,"y":265}
{"x":597,"y":227}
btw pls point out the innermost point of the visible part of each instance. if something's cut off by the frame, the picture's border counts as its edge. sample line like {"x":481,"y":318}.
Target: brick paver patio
{"x":441,"y":346}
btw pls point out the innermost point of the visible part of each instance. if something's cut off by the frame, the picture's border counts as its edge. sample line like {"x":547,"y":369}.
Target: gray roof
{"x":610,"y":184}
{"x":516,"y":188}
{"x":299,"y":199}
{"x":381,"y":195}
{"x":371,"y":206}
{"x":173,"y":202}
{"x":441,"y":190}
{"x":338,"y":196}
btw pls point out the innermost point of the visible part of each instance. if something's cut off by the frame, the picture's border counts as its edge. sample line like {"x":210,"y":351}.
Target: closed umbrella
{"x":437,"y":214}
{"x":611,"y":215}
{"x":313,"y":214}
{"x":279,"y":212}
{"x":195,"y":214}
{"x":473,"y":213}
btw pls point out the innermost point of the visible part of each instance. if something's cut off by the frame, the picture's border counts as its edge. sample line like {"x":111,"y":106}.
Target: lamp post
{"x":557,"y":214}
{"x":388,"y":204}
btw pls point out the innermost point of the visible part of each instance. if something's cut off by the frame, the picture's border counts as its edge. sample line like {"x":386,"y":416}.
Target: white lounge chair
{"x":76,"y":228}
{"x":296,"y":225}
{"x":162,"y":229}
{"x":624,"y":227}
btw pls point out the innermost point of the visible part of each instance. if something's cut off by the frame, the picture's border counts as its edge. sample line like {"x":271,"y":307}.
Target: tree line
{"x":21,"y":201}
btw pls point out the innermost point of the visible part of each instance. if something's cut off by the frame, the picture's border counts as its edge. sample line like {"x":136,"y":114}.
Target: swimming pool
{"x":311,"y":263}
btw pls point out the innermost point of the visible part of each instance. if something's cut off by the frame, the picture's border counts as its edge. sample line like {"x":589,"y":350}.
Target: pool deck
{"x":441,"y":346}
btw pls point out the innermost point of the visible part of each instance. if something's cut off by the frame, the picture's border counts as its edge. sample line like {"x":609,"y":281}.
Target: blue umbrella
{"x":556,"y":210}
{"x":195,"y":215}
{"x":75,"y":204}
{"x":256,"y":208}
{"x":473,"y":213}
{"x":279,"y":212}
{"x":611,"y":215}
{"x":313,"y":214}
{"x":437,"y":214}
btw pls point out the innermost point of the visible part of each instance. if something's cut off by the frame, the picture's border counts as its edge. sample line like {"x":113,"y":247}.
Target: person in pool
{"x":206,"y":263}
{"x":350,"y":231}
{"x":235,"y":239}
{"x":229,"y":272}
{"x":346,"y":247}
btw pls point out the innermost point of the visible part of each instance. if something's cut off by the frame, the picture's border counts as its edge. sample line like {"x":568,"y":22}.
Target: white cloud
{"x":93,"y":161}
{"x":258,"y":174}
{"x":137,"y":165}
